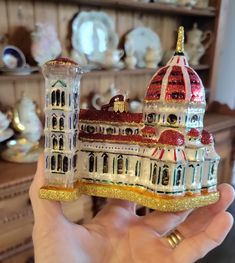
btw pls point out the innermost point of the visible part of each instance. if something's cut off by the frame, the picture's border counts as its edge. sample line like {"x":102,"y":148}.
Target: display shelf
{"x":96,"y":73}
{"x":145,"y":7}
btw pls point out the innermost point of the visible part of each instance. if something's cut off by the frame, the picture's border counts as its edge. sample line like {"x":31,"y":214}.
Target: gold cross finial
{"x":180,"y":40}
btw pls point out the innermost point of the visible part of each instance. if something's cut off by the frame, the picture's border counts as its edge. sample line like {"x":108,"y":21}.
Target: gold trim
{"x":59,"y":194}
{"x":149,"y":144}
{"x":135,"y":194}
{"x":117,"y":123}
{"x":180,"y":40}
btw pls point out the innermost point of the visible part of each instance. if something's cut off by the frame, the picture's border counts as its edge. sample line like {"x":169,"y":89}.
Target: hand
{"x":117,"y":234}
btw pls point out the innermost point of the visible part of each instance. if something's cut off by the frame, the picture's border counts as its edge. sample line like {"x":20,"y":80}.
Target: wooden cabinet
{"x":17,"y":20}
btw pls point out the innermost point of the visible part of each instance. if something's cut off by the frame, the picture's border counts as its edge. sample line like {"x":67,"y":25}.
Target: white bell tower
{"x":62,"y":77}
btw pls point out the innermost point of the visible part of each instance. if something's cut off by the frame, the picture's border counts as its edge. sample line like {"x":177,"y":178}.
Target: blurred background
{"x":120,"y":44}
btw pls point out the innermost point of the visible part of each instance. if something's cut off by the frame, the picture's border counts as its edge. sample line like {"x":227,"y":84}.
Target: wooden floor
{"x":226,"y":252}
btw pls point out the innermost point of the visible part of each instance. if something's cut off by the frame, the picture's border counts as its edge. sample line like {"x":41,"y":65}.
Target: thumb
{"x":44,"y":210}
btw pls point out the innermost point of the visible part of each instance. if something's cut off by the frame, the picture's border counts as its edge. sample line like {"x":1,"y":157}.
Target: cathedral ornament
{"x":161,"y":158}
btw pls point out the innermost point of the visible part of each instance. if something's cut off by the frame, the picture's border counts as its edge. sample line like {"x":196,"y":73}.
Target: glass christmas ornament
{"x":161,"y":158}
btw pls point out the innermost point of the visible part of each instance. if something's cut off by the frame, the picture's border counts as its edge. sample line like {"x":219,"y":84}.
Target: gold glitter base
{"x":134,"y":194}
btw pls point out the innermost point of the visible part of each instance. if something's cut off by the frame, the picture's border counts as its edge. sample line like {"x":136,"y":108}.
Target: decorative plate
{"x":93,"y":32}
{"x":139,"y":40}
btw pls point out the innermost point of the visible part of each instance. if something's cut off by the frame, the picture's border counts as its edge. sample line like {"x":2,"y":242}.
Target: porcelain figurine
{"x":189,"y":3}
{"x":202,"y":4}
{"x":195,"y":47}
{"x":45,"y":43}
{"x":25,"y":148}
{"x":130,"y":59}
{"x":108,"y":59}
{"x":161,"y":157}
{"x":152,"y":57}
{"x":5,"y":132}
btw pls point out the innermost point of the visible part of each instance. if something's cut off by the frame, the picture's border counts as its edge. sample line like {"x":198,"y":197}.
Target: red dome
{"x":149,"y":130}
{"x":207,"y":137}
{"x":171,"y":137}
{"x":175,"y":82}
{"x":194,"y":133}
{"x":155,"y":86}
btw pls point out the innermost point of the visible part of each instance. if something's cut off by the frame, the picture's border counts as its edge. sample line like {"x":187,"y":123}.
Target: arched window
{"x":74,"y":140}
{"x":74,"y":120}
{"x":75,"y":97}
{"x":127,"y":164}
{"x":54,"y":122}
{"x":159,"y":175}
{"x":194,"y":118}
{"x":61,"y":123}
{"x":54,"y":143}
{"x":109,"y":131}
{"x":151,"y":117}
{"x":192,"y":171}
{"x":172,"y":119}
{"x":57,"y":97}
{"x":154,"y":176}
{"x":90,"y":129}
{"x":120,"y":164}
{"x":74,"y":161}
{"x":105,"y":163}
{"x":129,"y":131}
{"x":136,"y":168}
{"x":96,"y":164}
{"x":53,"y":162}
{"x":178,"y":175}
{"x":59,"y":164}
{"x":47,"y":162}
{"x":61,"y":144}
{"x":62,"y":98}
{"x":53,"y":98}
{"x":65,"y":164}
{"x":91,"y":162}
{"x":165,"y":175}
{"x":212,"y":168}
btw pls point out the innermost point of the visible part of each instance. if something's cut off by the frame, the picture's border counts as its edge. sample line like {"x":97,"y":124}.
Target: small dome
{"x":171,"y":137}
{"x":194,"y":133}
{"x":149,"y":130}
{"x":207,"y":137}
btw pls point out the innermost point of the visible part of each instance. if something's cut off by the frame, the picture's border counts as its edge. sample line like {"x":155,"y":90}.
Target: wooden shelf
{"x":145,"y":7}
{"x":95,"y":73}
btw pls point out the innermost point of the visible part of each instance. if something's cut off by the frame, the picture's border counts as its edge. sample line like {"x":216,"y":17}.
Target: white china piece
{"x":137,"y":43}
{"x":198,"y":42}
{"x":93,"y":34}
{"x":13,"y":57}
{"x":6,"y":134}
{"x":45,"y":43}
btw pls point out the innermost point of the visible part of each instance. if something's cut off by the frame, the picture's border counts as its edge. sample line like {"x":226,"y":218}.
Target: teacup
{"x":13,"y":57}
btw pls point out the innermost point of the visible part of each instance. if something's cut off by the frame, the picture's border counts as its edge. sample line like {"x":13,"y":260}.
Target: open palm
{"x":117,"y":234}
